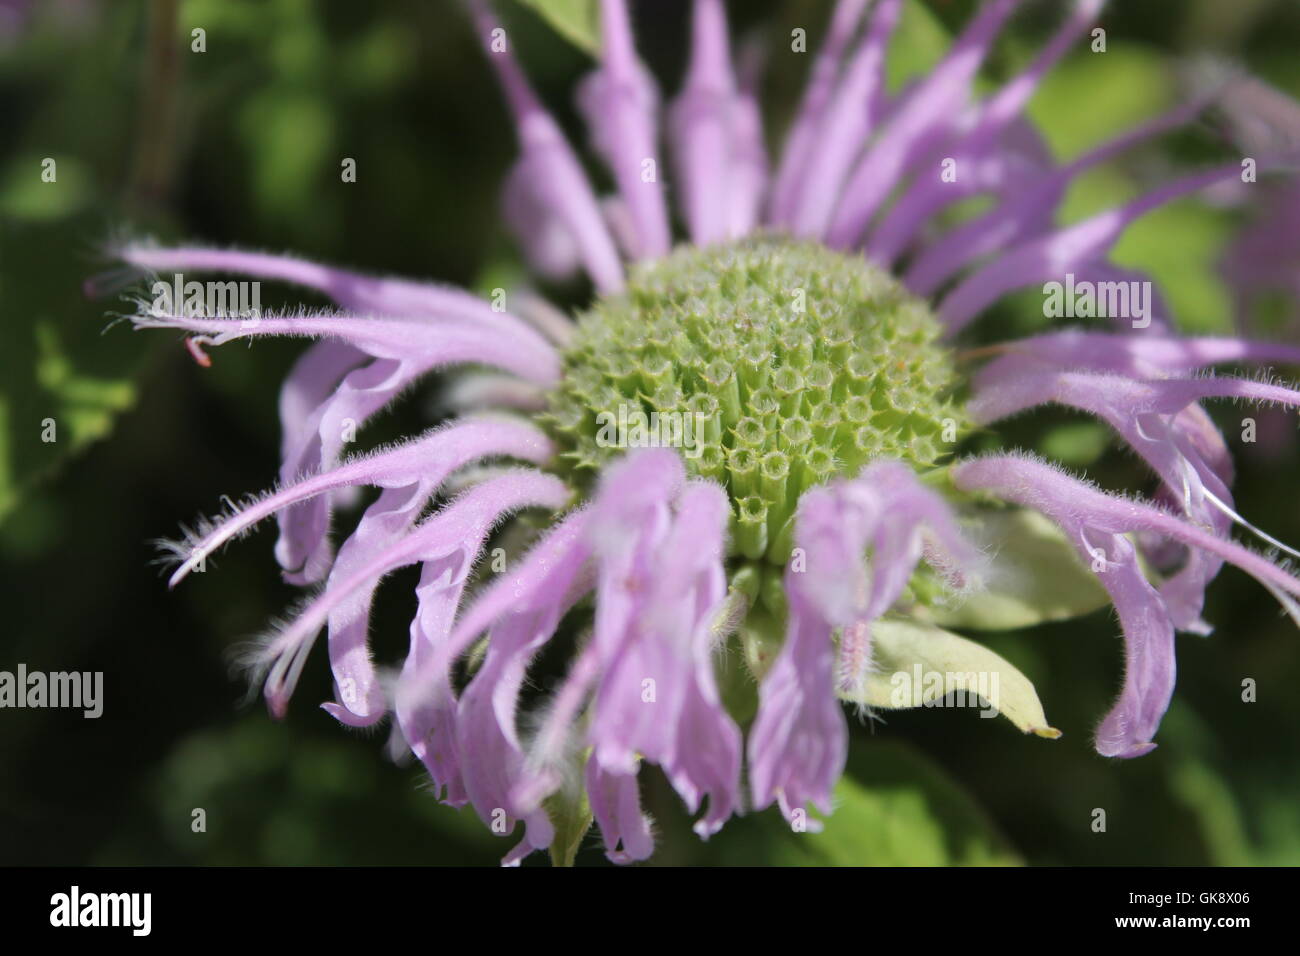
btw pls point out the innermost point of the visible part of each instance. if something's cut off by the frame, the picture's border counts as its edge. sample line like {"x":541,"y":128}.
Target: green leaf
{"x":916,"y":664}
{"x":1035,"y":576}
{"x":290,"y":135}
{"x":570,"y":813}
{"x":25,"y":195}
{"x":919,"y":42}
{"x":1177,"y":245}
{"x":893,"y":807}
{"x":1134,"y":82}
{"x":1076,"y":444}
{"x":578,"y":21}
{"x":1208,"y":797}
{"x":62,"y":382}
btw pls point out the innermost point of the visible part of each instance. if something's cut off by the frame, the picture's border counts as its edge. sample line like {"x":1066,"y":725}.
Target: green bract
{"x":774,"y":365}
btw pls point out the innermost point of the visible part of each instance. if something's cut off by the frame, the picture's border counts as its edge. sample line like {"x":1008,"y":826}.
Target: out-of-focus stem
{"x":153,"y":164}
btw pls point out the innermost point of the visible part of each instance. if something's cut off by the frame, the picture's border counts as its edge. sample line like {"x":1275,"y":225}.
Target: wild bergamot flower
{"x":806,"y":519}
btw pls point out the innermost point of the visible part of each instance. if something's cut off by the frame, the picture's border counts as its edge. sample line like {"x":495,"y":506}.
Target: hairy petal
{"x":543,"y":236}
{"x":359,"y":698}
{"x":847,"y":122}
{"x":799,"y":741}
{"x":1128,"y":729}
{"x":747,"y":182}
{"x":1038,"y":485}
{"x":491,"y":752}
{"x":620,"y":103}
{"x":454,"y":531}
{"x":352,"y":290}
{"x":559,"y":181}
{"x":703,"y":122}
{"x":1181,"y":444}
{"x":629,"y":518}
{"x":303,"y":549}
{"x":798,"y":744}
{"x":1143,"y":412}
{"x":1058,"y":253}
{"x":404,"y":351}
{"x":428,"y":460}
{"x":503,"y":342}
{"x":1026,"y":212}
{"x":491,"y":755}
{"x":887,"y":511}
{"x":426,"y":716}
{"x":315,"y":374}
{"x":803,"y":135}
{"x":1137,"y":410}
{"x":929,"y":194}
{"x":922,"y":120}
{"x":1205,"y":449}
{"x":616,"y":806}
{"x":1149,"y":667}
{"x":1095,"y":522}
{"x":1136,"y":356}
{"x":658,"y":697}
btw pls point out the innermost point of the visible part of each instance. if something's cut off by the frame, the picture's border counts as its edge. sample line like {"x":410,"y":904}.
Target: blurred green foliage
{"x":243,"y":144}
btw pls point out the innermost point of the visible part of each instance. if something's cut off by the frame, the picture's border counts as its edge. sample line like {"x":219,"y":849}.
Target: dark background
{"x":241,"y":145}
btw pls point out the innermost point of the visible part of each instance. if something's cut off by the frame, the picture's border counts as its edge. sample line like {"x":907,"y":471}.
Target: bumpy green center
{"x":772,"y":365}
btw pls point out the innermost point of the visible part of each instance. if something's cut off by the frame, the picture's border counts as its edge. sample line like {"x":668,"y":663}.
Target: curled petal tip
{"x":196,"y":352}
{"x":1049,"y":733}
{"x":350,"y":717}
{"x":276,"y":694}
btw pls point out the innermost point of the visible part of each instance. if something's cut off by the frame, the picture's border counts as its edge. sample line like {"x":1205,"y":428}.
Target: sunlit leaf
{"x":578,"y":21}
{"x":1134,"y":82}
{"x":919,"y":42}
{"x":918,"y":664}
